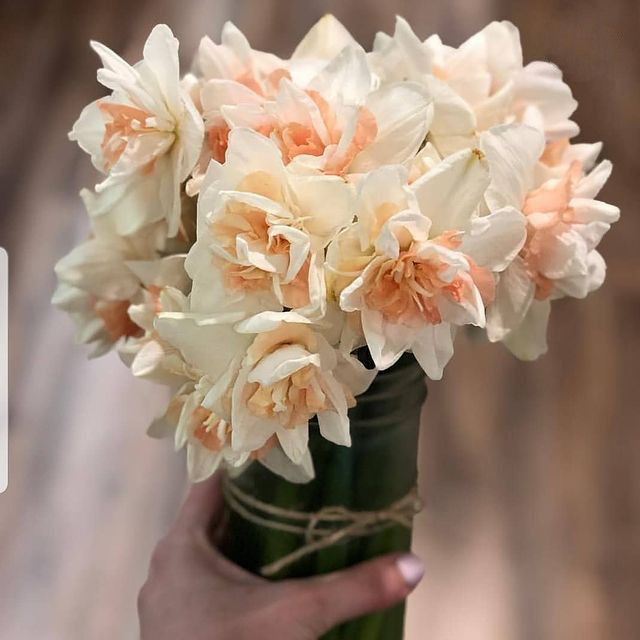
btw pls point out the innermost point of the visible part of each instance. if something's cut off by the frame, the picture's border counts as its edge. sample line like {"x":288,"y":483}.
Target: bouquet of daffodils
{"x":259,"y":220}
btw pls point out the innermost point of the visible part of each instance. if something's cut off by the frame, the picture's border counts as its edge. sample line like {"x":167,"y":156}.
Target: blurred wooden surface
{"x":532,"y":526}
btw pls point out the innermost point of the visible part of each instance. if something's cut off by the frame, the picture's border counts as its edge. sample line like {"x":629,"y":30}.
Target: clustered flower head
{"x":258,"y":220}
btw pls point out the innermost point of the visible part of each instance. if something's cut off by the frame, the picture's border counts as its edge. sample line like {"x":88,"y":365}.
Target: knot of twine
{"x":320,"y":529}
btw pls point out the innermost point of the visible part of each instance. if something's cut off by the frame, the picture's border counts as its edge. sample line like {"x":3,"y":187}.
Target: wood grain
{"x":532,"y":526}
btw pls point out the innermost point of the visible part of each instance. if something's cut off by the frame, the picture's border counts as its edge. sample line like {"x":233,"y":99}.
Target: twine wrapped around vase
{"x":321,"y":529}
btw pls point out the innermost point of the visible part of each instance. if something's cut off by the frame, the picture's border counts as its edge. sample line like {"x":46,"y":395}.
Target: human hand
{"x":194,"y":592}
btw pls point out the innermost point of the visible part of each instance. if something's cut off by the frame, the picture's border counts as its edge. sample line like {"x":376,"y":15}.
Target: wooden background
{"x":532,"y":527}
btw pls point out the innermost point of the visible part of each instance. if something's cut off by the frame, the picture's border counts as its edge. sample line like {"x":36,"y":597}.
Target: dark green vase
{"x":376,"y":471}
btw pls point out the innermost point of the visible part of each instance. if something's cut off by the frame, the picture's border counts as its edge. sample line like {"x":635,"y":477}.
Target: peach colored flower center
{"x":365,"y":133}
{"x":549,"y":215}
{"x":271,"y":80}
{"x":117,"y":322}
{"x":406,"y":289}
{"x":293,"y":400}
{"x":212,"y":432}
{"x":218,"y":140}
{"x":123,"y":122}
{"x":296,"y":138}
{"x":250,"y":224}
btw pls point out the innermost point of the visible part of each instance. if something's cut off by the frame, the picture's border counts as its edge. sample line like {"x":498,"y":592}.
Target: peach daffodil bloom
{"x":97,"y":285}
{"x":235,"y":60}
{"x":194,"y":356}
{"x":228,"y":74}
{"x":418,"y":262}
{"x":205,"y":435}
{"x":262,"y":230}
{"x":565,"y":224}
{"x":250,"y":391}
{"x":146,"y":136}
{"x":289,"y":375}
{"x":339,"y":123}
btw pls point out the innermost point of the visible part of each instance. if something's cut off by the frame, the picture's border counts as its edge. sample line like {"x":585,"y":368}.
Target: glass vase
{"x":378,"y":470}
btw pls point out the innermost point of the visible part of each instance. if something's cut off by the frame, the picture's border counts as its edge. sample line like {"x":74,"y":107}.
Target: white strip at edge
{"x":4,"y":370}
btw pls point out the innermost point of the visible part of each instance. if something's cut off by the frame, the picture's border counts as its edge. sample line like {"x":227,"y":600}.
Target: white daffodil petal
{"x":161,"y":57}
{"x":249,"y":432}
{"x":433,"y":348}
{"x":217,"y":93}
{"x":211,"y":348}
{"x":324,"y":41}
{"x":88,"y":131}
{"x":98,"y":267}
{"x":403,"y":114}
{"x":514,"y":295}
{"x":334,"y":428}
{"x":346,"y":77}
{"x":400,"y":231}
{"x":294,"y":442}
{"x":250,"y":153}
{"x":386,"y":341}
{"x":494,"y":240}
{"x":168,"y":271}
{"x":299,"y":247}
{"x":201,"y":462}
{"x":148,"y":359}
{"x":327,"y":203}
{"x":381,"y":194}
{"x":529,"y":340}
{"x":450,"y":193}
{"x":279,"y":463}
{"x":281,"y":364}
{"x":269,"y":320}
{"x":354,"y":374}
{"x":590,"y":185}
{"x":586,"y":210}
{"x":512,"y":152}
{"x":128,"y":206}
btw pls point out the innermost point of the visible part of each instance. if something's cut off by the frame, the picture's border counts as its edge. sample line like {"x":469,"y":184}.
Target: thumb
{"x":203,"y":505}
{"x":371,"y":586}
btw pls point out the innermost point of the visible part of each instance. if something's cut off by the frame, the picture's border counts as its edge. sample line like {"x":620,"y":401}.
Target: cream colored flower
{"x":481,"y":84}
{"x":289,"y":375}
{"x":97,"y":286}
{"x":146,"y":136}
{"x":235,"y":60}
{"x":205,"y":435}
{"x":419,"y":261}
{"x":262,"y":231}
{"x":164,"y":283}
{"x":198,"y":356}
{"x":564,"y":226}
{"x":221,"y":365}
{"x":225,"y":75}
{"x":338,"y":123}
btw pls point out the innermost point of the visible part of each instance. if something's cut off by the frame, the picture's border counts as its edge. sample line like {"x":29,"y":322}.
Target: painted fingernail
{"x":411,"y":569}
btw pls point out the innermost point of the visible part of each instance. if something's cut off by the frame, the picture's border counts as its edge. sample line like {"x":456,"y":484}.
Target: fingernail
{"x":411,"y":569}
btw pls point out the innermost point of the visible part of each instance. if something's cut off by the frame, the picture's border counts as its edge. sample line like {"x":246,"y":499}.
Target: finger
{"x":368,"y":587}
{"x":203,"y":505}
